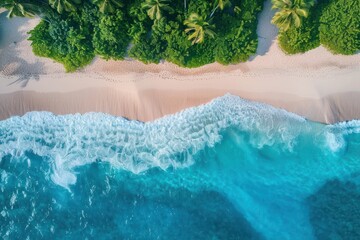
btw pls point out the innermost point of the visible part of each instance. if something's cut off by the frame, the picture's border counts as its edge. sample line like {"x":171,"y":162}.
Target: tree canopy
{"x":334,"y":24}
{"x":156,"y":8}
{"x":108,"y":6}
{"x":189,"y":33}
{"x":290,"y":12}
{"x":18,"y":8}
{"x":198,"y":28}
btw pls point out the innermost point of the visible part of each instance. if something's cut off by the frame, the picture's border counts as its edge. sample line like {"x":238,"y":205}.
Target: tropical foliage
{"x":108,"y":39}
{"x":179,"y":31}
{"x":290,"y":12}
{"x":156,"y":8}
{"x":19,"y":8}
{"x":332,"y":23}
{"x":189,"y":33}
{"x":65,"y":39}
{"x":220,"y":4}
{"x":108,"y":6}
{"x":64,"y":5}
{"x":340,"y":26}
{"x":198,"y":28}
{"x":303,"y":38}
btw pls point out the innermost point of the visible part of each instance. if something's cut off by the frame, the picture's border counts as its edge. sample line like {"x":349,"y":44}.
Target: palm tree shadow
{"x":266,"y":31}
{"x":12,"y":64}
{"x":19,"y":68}
{"x":25,"y":79}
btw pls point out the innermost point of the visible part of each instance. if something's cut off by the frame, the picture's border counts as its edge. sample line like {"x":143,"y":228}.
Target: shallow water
{"x":231,"y":169}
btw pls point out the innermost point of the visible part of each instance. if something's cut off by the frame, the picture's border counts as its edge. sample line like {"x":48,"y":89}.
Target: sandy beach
{"x":317,"y":85}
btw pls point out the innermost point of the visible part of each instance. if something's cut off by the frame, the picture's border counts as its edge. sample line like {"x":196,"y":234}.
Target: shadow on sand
{"x":8,"y":34}
{"x":266,"y":31}
{"x":11,"y":63}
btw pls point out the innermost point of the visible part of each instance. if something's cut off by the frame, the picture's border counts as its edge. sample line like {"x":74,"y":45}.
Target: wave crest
{"x":70,"y":141}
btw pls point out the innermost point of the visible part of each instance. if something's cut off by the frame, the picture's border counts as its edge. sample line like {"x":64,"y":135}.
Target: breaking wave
{"x":259,"y":162}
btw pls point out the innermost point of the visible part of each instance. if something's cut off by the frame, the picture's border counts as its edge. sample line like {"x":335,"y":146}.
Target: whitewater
{"x":229,"y":169}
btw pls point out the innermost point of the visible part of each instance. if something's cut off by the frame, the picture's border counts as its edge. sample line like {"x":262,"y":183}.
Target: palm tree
{"x":290,"y":12}
{"x":19,"y":9}
{"x":108,"y":6}
{"x":67,"y":5}
{"x":156,"y":7}
{"x":198,"y":28}
{"x":220,"y":4}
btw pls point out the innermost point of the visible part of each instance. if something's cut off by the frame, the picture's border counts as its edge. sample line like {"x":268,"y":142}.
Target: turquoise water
{"x":231,"y":169}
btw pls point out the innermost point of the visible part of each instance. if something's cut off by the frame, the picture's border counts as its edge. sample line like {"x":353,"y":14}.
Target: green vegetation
{"x":109,"y":40}
{"x":189,"y":33}
{"x":303,"y":38}
{"x":64,"y":5}
{"x":19,"y":8}
{"x":186,"y":34}
{"x":220,"y":4}
{"x":66,"y":39}
{"x":333,"y":23}
{"x":155,"y":8}
{"x":340,"y":26}
{"x":198,"y":28}
{"x":108,"y":6}
{"x":290,"y":12}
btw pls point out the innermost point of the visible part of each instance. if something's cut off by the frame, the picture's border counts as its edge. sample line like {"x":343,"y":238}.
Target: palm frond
{"x":290,"y":12}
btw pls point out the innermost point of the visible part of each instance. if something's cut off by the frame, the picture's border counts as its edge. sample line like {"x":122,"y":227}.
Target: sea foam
{"x":227,"y":168}
{"x":70,"y":141}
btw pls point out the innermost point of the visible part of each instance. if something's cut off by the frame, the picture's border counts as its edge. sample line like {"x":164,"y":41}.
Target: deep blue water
{"x":231,"y":169}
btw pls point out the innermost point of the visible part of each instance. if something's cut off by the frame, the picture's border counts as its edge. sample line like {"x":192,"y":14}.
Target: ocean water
{"x":230,"y":169}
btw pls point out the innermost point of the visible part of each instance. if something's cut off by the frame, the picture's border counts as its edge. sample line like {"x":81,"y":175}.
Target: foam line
{"x":75,"y":140}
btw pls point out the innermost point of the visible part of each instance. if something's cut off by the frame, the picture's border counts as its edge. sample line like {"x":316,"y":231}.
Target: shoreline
{"x":148,"y":96}
{"x":329,"y":109}
{"x":317,"y":85}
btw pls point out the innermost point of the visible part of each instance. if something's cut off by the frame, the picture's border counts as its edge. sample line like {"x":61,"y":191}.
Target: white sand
{"x":318,"y":85}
